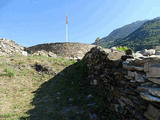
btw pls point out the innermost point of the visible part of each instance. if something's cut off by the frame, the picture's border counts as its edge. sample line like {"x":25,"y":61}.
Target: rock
{"x":51,"y":54}
{"x":152,"y":69}
{"x":152,"y":113}
{"x":148,"y":52}
{"x":155,"y":91}
{"x":129,"y":52}
{"x":44,"y":69}
{"x":113,"y":56}
{"x":157,"y":52}
{"x":9,"y":48}
{"x":155,"y":80}
{"x":94,"y":82}
{"x":70,"y":99}
{"x":151,"y":90}
{"x":89,"y":96}
{"x":91,"y":104}
{"x":138,"y":55}
{"x":148,"y":97}
{"x":92,"y":116}
{"x":132,"y":67}
{"x":125,"y":78}
{"x":113,"y":49}
{"x":139,"y":77}
{"x":131,"y":74}
{"x":24,"y":53}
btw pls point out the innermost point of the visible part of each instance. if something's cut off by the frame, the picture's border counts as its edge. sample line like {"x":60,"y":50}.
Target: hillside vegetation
{"x":145,"y":37}
{"x":120,"y":33}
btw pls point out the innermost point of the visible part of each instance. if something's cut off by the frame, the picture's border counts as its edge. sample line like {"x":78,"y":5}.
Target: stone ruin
{"x":9,"y":47}
{"x":133,"y":81}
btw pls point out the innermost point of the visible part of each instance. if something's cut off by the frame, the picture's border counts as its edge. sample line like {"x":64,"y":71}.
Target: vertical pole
{"x":66,"y":28}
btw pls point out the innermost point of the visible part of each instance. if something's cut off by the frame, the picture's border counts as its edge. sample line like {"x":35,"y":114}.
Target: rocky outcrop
{"x":67,"y":50}
{"x":9,"y":47}
{"x":133,"y":81}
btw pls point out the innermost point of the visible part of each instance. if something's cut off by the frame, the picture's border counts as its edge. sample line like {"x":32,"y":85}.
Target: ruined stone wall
{"x":133,"y":81}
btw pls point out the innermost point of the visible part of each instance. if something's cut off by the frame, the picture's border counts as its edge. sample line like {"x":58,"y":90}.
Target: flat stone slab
{"x":155,"y":80}
{"x":151,"y":90}
{"x":132,"y":67}
{"x":152,"y":113}
{"x":148,"y":97}
{"x":155,"y":91}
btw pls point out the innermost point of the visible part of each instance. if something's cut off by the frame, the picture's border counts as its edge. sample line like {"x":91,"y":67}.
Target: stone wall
{"x":133,"y":81}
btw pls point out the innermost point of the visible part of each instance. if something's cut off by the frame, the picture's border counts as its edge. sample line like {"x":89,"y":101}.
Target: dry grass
{"x":17,"y":85}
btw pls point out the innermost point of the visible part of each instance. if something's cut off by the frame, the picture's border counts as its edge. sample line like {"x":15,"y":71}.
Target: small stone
{"x":91,"y":104}
{"x":93,"y":116}
{"x":148,"y":97}
{"x":89,"y":96}
{"x":139,"y":77}
{"x":57,"y":97}
{"x":70,"y":99}
{"x":131,"y":74}
{"x":152,"y":113}
{"x":58,"y":93}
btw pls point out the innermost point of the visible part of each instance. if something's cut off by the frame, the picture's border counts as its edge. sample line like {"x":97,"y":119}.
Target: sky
{"x":31,"y":22}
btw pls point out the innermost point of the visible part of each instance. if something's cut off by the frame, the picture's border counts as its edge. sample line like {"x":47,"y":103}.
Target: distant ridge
{"x":121,"y":32}
{"x":145,"y":37}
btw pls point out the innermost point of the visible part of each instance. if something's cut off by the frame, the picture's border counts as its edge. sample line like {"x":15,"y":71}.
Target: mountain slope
{"x":145,"y":37}
{"x":120,"y":33}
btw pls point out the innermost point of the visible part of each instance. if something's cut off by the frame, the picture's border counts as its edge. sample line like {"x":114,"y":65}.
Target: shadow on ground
{"x":61,"y":97}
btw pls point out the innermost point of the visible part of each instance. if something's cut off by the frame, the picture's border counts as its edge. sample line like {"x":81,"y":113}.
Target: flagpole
{"x":67,"y":28}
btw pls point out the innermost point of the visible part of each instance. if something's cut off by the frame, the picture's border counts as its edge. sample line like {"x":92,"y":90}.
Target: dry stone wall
{"x":133,"y":81}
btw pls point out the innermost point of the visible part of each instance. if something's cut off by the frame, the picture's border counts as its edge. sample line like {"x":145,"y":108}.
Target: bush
{"x":122,"y":48}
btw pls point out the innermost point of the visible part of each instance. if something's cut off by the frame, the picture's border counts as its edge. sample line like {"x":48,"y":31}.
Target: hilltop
{"x":67,"y":50}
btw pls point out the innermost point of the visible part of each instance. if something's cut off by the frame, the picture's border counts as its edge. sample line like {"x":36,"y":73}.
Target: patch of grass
{"x":10,"y":72}
{"x":21,"y":62}
{"x":122,"y":48}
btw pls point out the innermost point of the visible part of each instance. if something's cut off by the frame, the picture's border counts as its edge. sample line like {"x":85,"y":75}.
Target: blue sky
{"x":31,"y":22}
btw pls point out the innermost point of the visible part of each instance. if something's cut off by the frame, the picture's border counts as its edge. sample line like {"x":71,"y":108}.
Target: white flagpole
{"x":66,"y":28}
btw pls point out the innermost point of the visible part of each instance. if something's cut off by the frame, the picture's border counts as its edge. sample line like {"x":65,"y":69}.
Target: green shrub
{"x":122,"y":48}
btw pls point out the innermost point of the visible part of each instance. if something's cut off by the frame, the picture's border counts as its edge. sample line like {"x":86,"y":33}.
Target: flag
{"x":66,"y":19}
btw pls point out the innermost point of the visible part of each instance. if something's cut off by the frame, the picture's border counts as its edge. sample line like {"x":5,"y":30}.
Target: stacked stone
{"x":134,"y":81}
{"x":144,"y":69}
{"x":9,"y":47}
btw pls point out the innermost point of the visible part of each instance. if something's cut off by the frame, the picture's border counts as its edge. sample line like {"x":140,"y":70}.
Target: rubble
{"x":133,"y":81}
{"x":9,"y":47}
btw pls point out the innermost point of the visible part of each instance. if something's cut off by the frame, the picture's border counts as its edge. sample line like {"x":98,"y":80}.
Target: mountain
{"x":145,"y":37}
{"x":120,"y":33}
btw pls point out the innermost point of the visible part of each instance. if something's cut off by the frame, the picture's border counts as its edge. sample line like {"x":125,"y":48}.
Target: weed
{"x":10,"y":72}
